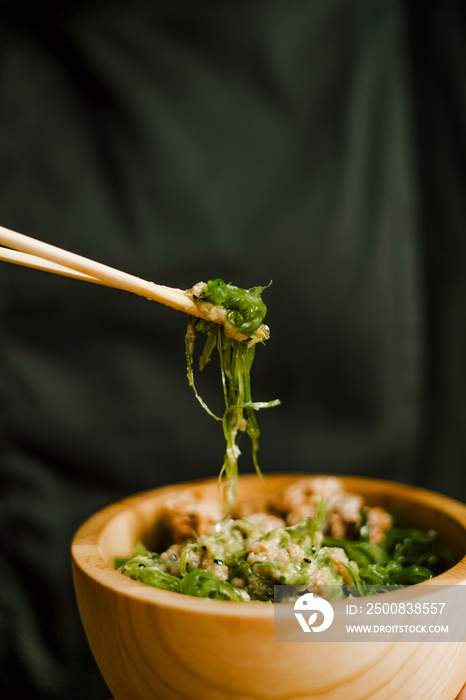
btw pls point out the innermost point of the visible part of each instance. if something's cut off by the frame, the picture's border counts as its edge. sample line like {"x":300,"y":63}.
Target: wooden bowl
{"x":152,"y":644}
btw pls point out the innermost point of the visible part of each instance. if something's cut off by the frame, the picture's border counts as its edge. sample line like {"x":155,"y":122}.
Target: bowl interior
{"x":140,"y":518}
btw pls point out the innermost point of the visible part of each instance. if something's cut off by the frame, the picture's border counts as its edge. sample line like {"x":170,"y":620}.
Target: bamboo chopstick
{"x":27,"y":260}
{"x":30,"y":252}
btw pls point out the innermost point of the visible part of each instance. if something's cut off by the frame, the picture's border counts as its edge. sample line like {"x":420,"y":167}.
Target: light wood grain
{"x":156,"y":644}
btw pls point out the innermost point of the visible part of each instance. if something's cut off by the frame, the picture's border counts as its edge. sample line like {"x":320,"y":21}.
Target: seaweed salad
{"x":245,"y":313}
{"x":312,"y":535}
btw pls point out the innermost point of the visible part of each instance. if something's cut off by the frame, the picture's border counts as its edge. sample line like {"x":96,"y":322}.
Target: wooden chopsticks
{"x":30,"y":252}
{"x":27,"y":260}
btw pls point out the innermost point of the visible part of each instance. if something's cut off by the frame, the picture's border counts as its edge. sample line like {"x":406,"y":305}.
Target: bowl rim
{"x":87,"y":556}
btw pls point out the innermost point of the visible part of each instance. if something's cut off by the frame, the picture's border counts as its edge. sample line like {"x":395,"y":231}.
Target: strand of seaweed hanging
{"x":245,"y":315}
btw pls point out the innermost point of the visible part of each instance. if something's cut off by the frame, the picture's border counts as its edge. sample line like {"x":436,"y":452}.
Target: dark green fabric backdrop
{"x":320,"y":144}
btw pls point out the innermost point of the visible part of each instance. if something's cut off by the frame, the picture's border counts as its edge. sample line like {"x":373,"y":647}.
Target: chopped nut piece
{"x":338,"y":557}
{"x":378,"y":522}
{"x":266,"y":522}
{"x":187,"y":518}
{"x":267,"y":550}
{"x":171,"y":558}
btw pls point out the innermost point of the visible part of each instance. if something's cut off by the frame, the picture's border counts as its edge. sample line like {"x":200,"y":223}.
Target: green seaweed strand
{"x":246,"y":314}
